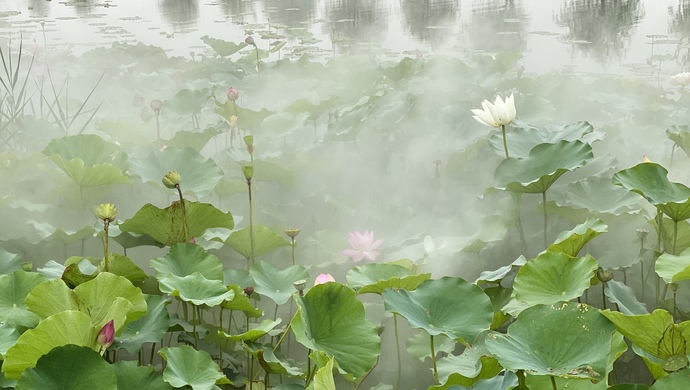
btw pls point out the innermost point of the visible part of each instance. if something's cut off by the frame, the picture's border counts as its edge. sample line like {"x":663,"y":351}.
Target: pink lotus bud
{"x":192,"y":240}
{"x":323,"y":278}
{"x":107,"y":335}
{"x":233,"y":94}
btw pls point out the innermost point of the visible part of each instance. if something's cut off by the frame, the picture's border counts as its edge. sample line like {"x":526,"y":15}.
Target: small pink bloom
{"x":363,"y":245}
{"x":192,"y":240}
{"x":233,"y":94}
{"x":323,"y":278}
{"x":107,"y":335}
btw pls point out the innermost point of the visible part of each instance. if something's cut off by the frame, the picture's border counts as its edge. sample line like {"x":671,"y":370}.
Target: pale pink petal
{"x":350,"y":252}
{"x":358,"y":257}
{"x":371,"y":255}
{"x":323,"y":278}
{"x":375,"y":245}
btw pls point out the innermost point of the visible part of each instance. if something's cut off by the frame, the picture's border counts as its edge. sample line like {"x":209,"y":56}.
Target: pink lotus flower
{"x":107,"y":335}
{"x":363,"y":245}
{"x":323,"y":278}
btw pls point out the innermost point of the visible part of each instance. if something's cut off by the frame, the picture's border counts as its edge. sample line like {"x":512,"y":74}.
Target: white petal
{"x":483,"y":117}
{"x":510,"y":106}
{"x":429,"y":244}
{"x":488,"y":107}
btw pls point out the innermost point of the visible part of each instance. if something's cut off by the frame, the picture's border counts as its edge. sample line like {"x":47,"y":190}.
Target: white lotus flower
{"x":681,"y":79}
{"x":500,"y":113}
{"x":430,"y":245}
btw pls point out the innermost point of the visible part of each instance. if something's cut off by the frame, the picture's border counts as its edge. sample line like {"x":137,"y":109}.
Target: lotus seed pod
{"x":106,"y":212}
{"x":300,"y":285}
{"x":604,"y":275}
{"x":292,"y":233}
{"x":250,"y":41}
{"x":642,"y":233}
{"x":248,"y":172}
{"x":249,"y":141}
{"x":233,"y":94}
{"x":156,"y":106}
{"x":673,"y":287}
{"x":248,"y":291}
{"x":172,"y":180}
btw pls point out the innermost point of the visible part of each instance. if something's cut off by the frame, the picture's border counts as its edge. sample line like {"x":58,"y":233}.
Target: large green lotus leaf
{"x":272,"y":363}
{"x":596,"y":194}
{"x":148,"y":329}
{"x":571,"y":242}
{"x":192,"y":139}
{"x":330,"y":319}
{"x":248,"y":119}
{"x":131,"y":376}
{"x":419,"y":345}
{"x":238,"y":276}
{"x":500,"y":297}
{"x":104,"y":298}
{"x":323,"y":379}
{"x":274,"y":283}
{"x":129,"y":240}
{"x":625,"y":298}
{"x":497,"y":275}
{"x":284,"y":123}
{"x":502,"y":382}
{"x":223,"y":48}
{"x":650,"y":180}
{"x":655,"y":333}
{"x":545,"y":164}
{"x":184,"y":259}
{"x":187,"y":102}
{"x":199,"y":175}
{"x":567,"y":340}
{"x":89,"y":160}
{"x":195,"y":288}
{"x":374,"y":278}
{"x":653,"y":363}
{"x":673,"y":269}
{"x":274,"y":172}
{"x":48,"y":232}
{"x":14,"y":288}
{"x":305,"y":105}
{"x":544,"y":382}
{"x":521,"y":140}
{"x":675,"y":381}
{"x":123,"y":266}
{"x":256,"y":332}
{"x":629,"y":386}
{"x":474,"y":364}
{"x":681,"y":136}
{"x":9,"y":262}
{"x":241,"y":302}
{"x":166,"y":225}
{"x":265,"y":241}
{"x":449,"y":306}
{"x":67,"y":327}
{"x":8,"y":336}
{"x":57,"y":370}
{"x":553,"y":277}
{"x":189,"y":367}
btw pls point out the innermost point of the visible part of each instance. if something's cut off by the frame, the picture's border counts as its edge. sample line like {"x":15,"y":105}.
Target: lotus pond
{"x":235,"y":220}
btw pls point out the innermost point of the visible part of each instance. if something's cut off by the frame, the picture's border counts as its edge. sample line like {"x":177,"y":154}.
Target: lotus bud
{"x":642,"y":233}
{"x":107,"y":335}
{"x":106,"y":212}
{"x":233,"y":94}
{"x":646,"y":159}
{"x":248,"y":291}
{"x":300,"y":285}
{"x":292,"y":233}
{"x":324,"y":278}
{"x":248,"y":172}
{"x":156,"y":106}
{"x":673,"y":287}
{"x":172,"y":179}
{"x":604,"y":275}
{"x":249,"y":41}
{"x":249,"y":141}
{"x":27,"y":267}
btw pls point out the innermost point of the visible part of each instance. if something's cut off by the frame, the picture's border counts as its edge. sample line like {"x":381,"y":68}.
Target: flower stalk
{"x":107,"y":213}
{"x":500,"y":113}
{"x":172,"y":181}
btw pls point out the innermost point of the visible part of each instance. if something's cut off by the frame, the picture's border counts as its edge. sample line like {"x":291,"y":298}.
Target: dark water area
{"x":598,"y":36}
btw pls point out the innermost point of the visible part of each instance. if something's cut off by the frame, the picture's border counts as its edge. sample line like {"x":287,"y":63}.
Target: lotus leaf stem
{"x":505,"y":142}
{"x":184,"y":214}
{"x":433,"y":358}
{"x":251,"y":223}
{"x":153,"y":350}
{"x":553,"y":383}
{"x":106,"y":222}
{"x":397,"y":345}
{"x":603,"y":295}
{"x":196,"y":336}
{"x":546,"y":221}
{"x":220,"y":326}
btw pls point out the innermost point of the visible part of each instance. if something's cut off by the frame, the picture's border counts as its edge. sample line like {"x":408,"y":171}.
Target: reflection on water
{"x":356,"y":20}
{"x":497,"y":26}
{"x":180,"y":14}
{"x":601,"y":28}
{"x":429,"y":20}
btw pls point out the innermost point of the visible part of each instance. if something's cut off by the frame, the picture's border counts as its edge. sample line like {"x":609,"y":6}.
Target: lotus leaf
{"x":57,"y":370}
{"x":241,"y":302}
{"x":545,"y":164}
{"x":14,"y":288}
{"x":223,"y":48}
{"x":674,"y":381}
{"x":449,"y":306}
{"x":199,"y":175}
{"x":89,"y":160}
{"x":66,"y":327}
{"x":195,"y":288}
{"x":673,"y":269}
{"x":330,"y":319}
{"x":123,"y":266}
{"x":474,"y":364}
{"x":571,"y":242}
{"x":187,"y":102}
{"x":419,"y":346}
{"x":269,"y":361}
{"x":9,"y":262}
{"x":192,"y":139}
{"x":323,"y":379}
{"x":497,"y":275}
{"x":8,"y":336}
{"x":522,"y":139}
{"x":374,"y":278}
{"x":148,"y":329}
{"x":552,"y":277}
{"x":255,"y":333}
{"x":565,"y":339}
{"x":650,"y":180}
{"x":624,"y":297}
{"x":681,"y":136}
{"x":131,"y":376}
{"x":166,"y":225}
{"x":184,"y":259}
{"x":277,"y":284}
{"x":189,"y":367}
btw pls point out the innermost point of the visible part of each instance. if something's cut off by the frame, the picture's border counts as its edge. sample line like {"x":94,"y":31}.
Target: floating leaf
{"x":374,"y":278}
{"x":650,"y":180}
{"x":189,"y":367}
{"x":549,"y":340}
{"x":330,"y":319}
{"x":57,"y":370}
{"x":223,"y":48}
{"x":166,"y":225}
{"x":265,"y":241}
{"x":131,"y":376}
{"x":449,"y":306}
{"x":274,"y":283}
{"x":571,"y":242}
{"x":553,"y":277}
{"x":545,"y":164}
{"x":14,"y":288}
